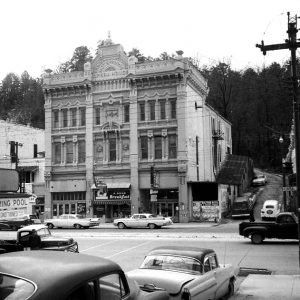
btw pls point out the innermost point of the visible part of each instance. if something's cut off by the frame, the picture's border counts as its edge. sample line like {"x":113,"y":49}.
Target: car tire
{"x":121,"y":225}
{"x":230,"y":290}
{"x":50,"y":225}
{"x":151,"y":226}
{"x":77,"y":226}
{"x":257,"y":238}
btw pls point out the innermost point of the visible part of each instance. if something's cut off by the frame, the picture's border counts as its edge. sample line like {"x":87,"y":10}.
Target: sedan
{"x":259,"y":180}
{"x":186,"y":273}
{"x":69,"y":221}
{"x":48,"y":275}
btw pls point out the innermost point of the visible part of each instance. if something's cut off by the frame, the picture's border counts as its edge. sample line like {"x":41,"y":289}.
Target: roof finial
{"x":108,"y":34}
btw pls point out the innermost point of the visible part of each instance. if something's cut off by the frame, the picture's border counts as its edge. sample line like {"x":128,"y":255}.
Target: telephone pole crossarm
{"x":264,"y":48}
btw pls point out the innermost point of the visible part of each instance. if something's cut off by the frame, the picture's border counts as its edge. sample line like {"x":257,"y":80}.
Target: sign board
{"x":6,"y":214}
{"x":289,"y":188}
{"x":13,"y":203}
{"x":153,"y":198}
{"x":9,"y":180}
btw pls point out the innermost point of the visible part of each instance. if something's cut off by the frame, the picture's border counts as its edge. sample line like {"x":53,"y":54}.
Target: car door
{"x":134,"y":221}
{"x":143,"y":221}
{"x":287,"y":227}
{"x":221,"y":275}
{"x":205,"y":285}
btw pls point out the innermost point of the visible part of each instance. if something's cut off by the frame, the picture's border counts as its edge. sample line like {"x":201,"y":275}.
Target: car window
{"x":143,"y":217}
{"x":112,"y":287}
{"x":206,"y":265}
{"x":213,"y":262}
{"x":85,"y":292}
{"x":15,"y":288}
{"x":170,"y":262}
{"x":136,"y":217}
{"x":269,"y":206}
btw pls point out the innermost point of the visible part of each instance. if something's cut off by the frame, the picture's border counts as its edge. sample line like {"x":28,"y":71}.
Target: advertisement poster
{"x":205,"y":211}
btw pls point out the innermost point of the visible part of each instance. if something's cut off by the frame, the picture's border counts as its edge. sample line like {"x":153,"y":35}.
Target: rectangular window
{"x":144,"y":147}
{"x":97,"y":115}
{"x":82,"y":116}
{"x":112,"y":147}
{"x":142,"y":111}
{"x":173,"y":108}
{"x":56,"y":119}
{"x":81,"y":151}
{"x":152,"y":110}
{"x":74,"y":117}
{"x":172,"y":146}
{"x":157,"y":147}
{"x":35,"y":150}
{"x":57,"y":153}
{"x":65,"y":117}
{"x":126,"y":113}
{"x":69,"y":146}
{"x":162,"y":110}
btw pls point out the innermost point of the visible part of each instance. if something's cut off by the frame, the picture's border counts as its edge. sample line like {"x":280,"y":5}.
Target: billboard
{"x":9,"y":180}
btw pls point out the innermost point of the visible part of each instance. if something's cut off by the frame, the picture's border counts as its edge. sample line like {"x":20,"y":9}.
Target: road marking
{"x":128,"y":249}
{"x":98,"y":246}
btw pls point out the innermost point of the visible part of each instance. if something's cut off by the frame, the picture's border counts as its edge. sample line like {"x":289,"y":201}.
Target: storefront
{"x":111,"y":200}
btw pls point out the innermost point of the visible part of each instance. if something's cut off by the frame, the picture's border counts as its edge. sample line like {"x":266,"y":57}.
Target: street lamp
{"x":283,"y":172}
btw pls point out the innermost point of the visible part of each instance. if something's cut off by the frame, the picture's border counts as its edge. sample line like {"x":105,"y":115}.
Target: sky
{"x":41,"y":34}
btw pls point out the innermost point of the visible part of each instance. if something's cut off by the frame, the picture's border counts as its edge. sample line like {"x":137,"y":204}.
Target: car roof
{"x":55,"y":271}
{"x":33,"y":226}
{"x":194,"y":252}
{"x":268,"y":202}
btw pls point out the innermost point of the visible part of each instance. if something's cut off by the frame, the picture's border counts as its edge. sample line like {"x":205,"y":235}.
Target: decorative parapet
{"x":158,"y":66}
{"x":63,"y":78}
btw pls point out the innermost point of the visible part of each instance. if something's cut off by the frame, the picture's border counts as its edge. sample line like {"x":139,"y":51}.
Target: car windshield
{"x":269,"y":206}
{"x":13,"y":288}
{"x":173,"y":263}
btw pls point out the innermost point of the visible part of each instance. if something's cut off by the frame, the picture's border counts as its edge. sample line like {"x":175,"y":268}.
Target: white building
{"x":29,"y":146}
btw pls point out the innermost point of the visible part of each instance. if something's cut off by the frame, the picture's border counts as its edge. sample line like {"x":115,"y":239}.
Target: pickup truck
{"x":284,"y":227}
{"x":48,"y":241}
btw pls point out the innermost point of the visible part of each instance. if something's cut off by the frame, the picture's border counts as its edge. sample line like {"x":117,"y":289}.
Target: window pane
{"x":157,"y":147}
{"x":74,"y":119}
{"x":144,"y":147}
{"x":126,"y":113}
{"x":69,"y":146}
{"x":57,"y":153}
{"x":56,"y":119}
{"x":112,"y":147}
{"x":142,"y":112}
{"x":112,"y":287}
{"x":162,"y":110}
{"x":82,"y":116}
{"x":172,"y":146}
{"x":65,"y":117}
{"x":173,"y":109}
{"x":152,"y":110}
{"x":97,"y":116}
{"x":81,"y":151}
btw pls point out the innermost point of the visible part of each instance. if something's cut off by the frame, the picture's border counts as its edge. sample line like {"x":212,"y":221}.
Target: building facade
{"x":123,"y":137}
{"x":23,"y":148}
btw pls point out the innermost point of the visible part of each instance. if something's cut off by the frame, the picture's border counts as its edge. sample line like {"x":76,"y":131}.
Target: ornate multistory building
{"x":124,"y":137}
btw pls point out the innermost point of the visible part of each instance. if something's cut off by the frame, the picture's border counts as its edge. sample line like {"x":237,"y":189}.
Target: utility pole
{"x":291,"y":44}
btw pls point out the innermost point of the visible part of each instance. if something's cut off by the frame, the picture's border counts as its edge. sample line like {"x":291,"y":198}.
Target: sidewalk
{"x":269,"y":287}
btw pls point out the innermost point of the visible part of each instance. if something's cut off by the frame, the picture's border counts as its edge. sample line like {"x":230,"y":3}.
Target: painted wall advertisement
{"x":206,"y":210}
{"x":13,"y":207}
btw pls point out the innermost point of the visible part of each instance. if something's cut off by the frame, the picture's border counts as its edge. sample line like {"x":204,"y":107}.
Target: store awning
{"x":28,"y":168}
{"x":114,"y":202}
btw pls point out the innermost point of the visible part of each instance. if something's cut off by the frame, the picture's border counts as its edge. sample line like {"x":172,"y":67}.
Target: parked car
{"x":270,"y":210}
{"x":259,"y":179}
{"x":285,"y":227}
{"x":48,"y":241}
{"x":69,"y":221}
{"x":33,"y":218}
{"x":95,"y":221}
{"x":14,"y":224}
{"x":48,"y":275}
{"x":186,"y":273}
{"x":143,"y":221}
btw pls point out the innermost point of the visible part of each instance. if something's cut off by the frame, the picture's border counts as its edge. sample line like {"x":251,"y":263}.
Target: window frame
{"x":158,"y":149}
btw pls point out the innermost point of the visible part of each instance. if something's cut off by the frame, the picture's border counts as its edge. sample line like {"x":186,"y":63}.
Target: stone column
{"x":89,"y":159}
{"x":134,"y":150}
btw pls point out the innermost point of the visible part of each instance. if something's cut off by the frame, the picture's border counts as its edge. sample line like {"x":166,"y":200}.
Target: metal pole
{"x":292,"y":31}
